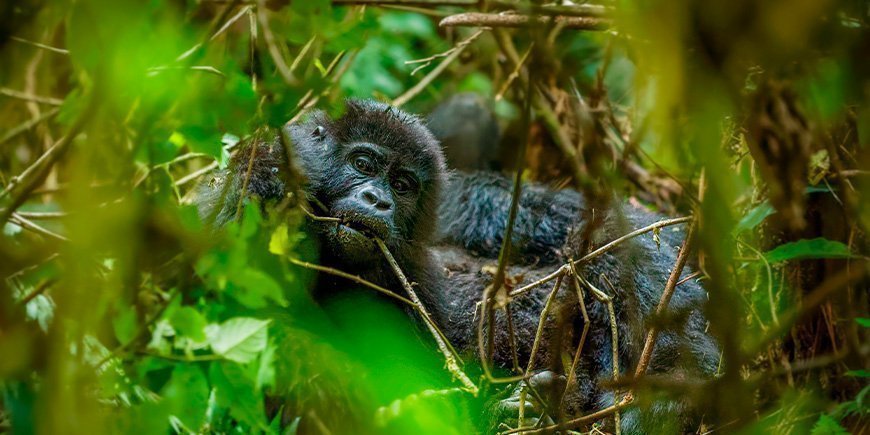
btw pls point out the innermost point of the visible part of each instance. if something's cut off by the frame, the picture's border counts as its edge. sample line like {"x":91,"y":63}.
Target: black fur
{"x":451,"y":273}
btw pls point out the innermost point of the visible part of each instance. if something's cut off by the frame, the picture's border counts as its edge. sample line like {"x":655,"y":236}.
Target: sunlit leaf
{"x":239,"y":339}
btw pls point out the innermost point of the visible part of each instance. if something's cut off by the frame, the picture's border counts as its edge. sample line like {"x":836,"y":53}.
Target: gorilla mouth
{"x":365,"y":226}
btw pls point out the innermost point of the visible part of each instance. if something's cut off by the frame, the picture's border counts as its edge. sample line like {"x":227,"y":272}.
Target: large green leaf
{"x":808,"y":248}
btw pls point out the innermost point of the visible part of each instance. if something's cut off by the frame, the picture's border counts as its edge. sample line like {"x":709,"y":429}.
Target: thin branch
{"x":26,"y":224}
{"x":480,"y":19}
{"x":27,"y":125}
{"x":577,"y":421}
{"x":355,"y":278}
{"x":443,"y":345}
{"x":496,"y":288}
{"x":40,"y":289}
{"x":670,"y":286}
{"x":572,"y":374}
{"x":196,"y":174}
{"x":12,"y":93}
{"x":40,"y":45}
{"x":411,"y":93}
{"x":21,"y":186}
{"x":600,"y":251}
{"x":272,"y":47}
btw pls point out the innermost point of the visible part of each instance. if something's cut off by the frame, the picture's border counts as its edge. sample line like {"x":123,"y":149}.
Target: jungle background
{"x":120,"y":312}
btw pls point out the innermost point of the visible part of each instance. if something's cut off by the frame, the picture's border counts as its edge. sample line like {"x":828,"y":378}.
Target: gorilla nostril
{"x":370,"y":197}
{"x":377,"y":199}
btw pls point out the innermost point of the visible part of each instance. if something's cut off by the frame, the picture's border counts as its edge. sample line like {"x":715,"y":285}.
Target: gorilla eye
{"x":364,"y":165}
{"x":402,"y":185}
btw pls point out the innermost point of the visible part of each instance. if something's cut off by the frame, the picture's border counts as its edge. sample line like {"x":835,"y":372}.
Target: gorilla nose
{"x":374,"y":197}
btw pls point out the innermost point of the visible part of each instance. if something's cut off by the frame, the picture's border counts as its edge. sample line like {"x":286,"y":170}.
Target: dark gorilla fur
{"x":450,"y":267}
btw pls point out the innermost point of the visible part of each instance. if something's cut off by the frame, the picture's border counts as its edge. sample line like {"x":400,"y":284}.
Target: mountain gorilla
{"x":382,"y":174}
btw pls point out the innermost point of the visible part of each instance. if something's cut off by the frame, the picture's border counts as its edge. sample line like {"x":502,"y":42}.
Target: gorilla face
{"x":379,"y":171}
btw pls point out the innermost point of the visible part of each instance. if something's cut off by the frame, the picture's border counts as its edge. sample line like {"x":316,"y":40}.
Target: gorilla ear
{"x":319,"y":132}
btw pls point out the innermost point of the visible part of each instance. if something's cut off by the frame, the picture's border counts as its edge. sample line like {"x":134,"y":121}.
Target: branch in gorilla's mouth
{"x":368,"y":226}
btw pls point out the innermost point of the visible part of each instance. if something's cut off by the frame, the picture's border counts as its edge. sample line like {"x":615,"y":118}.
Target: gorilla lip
{"x":365,"y":227}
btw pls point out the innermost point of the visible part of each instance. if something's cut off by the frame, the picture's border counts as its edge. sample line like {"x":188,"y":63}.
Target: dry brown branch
{"x":272,"y":47}
{"x":514,"y":74}
{"x":407,"y":2}
{"x":576,"y":10}
{"x":19,"y":187}
{"x":27,"y":125}
{"x":572,"y":374}
{"x":588,"y":418}
{"x":28,"y":225}
{"x":454,"y":53}
{"x":12,"y":93}
{"x":196,"y":174}
{"x":355,"y":278}
{"x":670,"y":286}
{"x":600,"y":251}
{"x":40,"y":45}
{"x":480,"y":19}
{"x":450,"y":357}
{"x":496,"y":288}
{"x":39,"y":215}
{"x":539,"y":333}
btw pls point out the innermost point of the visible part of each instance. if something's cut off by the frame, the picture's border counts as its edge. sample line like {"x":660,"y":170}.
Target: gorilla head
{"x":376,"y":168}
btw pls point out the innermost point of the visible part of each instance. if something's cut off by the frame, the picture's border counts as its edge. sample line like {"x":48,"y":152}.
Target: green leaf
{"x":808,"y":248}
{"x":124,"y":325}
{"x":239,"y":339}
{"x":187,"y":395}
{"x":754,"y":217}
{"x":863,"y":321}
{"x":858,"y":373}
{"x":190,"y":323}
{"x":202,"y":140}
{"x":826,"y":425}
{"x":257,"y":281}
{"x":236,"y":392}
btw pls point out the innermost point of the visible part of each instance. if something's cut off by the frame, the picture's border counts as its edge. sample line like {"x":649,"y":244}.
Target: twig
{"x":449,"y":355}
{"x":43,"y":286}
{"x":27,"y":125}
{"x":572,"y":374}
{"x":272,"y":46}
{"x":24,"y":223}
{"x":497,"y":285}
{"x":40,"y":45}
{"x":575,"y":10}
{"x":355,"y":278}
{"x":514,"y":74}
{"x":407,"y":2}
{"x":416,"y":89}
{"x":670,"y":286}
{"x":196,"y":174}
{"x":542,"y":319}
{"x":600,"y":251}
{"x":480,"y":19}
{"x":29,"y":97}
{"x":577,"y":421}
{"x":20,"y":186}
{"x":690,"y":277}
